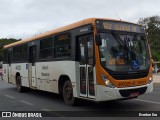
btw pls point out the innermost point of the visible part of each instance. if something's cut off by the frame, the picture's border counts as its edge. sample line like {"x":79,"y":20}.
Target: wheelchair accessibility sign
{"x":135,"y":64}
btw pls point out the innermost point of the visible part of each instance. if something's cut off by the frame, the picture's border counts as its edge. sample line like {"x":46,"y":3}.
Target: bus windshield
{"x":124,"y":52}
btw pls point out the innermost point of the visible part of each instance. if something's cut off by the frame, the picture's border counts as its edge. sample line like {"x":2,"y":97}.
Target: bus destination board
{"x":119,"y":26}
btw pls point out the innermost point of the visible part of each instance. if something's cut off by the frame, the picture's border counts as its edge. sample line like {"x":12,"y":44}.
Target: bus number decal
{"x":124,"y":84}
{"x":142,"y":82}
{"x":18,"y":67}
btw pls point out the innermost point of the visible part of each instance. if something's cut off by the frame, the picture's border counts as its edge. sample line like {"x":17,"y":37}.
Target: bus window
{"x":16,"y":54}
{"x":62,"y":46}
{"x":23,"y":52}
{"x":46,"y":47}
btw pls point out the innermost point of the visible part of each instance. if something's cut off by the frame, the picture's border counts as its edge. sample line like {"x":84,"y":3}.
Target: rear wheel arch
{"x":20,"y":88}
{"x":17,"y":74}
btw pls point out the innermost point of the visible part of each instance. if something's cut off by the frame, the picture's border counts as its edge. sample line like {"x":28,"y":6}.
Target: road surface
{"x":11,"y":100}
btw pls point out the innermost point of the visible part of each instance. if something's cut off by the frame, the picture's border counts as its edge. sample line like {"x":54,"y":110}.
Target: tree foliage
{"x":3,"y":42}
{"x":152,"y":27}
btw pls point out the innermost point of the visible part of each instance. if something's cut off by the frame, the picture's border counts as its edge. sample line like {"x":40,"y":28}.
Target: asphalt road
{"x":11,"y":100}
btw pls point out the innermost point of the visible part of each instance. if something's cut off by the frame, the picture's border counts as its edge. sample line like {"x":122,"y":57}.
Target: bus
{"x":95,"y":59}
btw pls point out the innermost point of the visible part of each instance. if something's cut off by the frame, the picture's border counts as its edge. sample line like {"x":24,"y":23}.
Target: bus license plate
{"x":135,"y":94}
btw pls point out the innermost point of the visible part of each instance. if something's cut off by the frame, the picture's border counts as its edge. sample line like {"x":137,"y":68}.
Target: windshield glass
{"x":124,"y":52}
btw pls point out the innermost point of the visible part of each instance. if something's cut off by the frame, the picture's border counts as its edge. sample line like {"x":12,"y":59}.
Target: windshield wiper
{"x":122,"y":42}
{"x":119,"y":39}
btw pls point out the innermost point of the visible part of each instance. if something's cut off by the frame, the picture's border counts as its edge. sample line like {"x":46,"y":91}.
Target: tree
{"x":152,"y":27}
{"x":3,"y":42}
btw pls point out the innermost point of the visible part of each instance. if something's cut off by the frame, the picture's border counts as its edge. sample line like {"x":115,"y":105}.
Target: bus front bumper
{"x":105,"y":93}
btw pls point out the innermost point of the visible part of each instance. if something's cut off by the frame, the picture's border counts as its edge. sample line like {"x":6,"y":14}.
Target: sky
{"x":21,"y":19}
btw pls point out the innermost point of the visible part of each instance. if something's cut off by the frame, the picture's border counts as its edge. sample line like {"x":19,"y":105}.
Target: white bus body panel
{"x":105,"y":93}
{"x":48,"y":74}
{"x":22,"y":69}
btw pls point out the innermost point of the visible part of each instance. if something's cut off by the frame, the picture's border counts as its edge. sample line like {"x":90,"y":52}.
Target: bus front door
{"x":87,"y":70}
{"x":32,"y":66}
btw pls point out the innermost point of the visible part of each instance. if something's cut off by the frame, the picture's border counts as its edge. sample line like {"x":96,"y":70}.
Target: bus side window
{"x":16,"y":54}
{"x":46,"y":48}
{"x":24,"y":52}
{"x":62,"y":46}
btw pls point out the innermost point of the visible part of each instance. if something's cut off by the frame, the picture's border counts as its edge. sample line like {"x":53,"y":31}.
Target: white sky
{"x":24,"y":18}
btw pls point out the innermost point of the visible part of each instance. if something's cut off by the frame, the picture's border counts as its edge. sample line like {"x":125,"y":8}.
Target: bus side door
{"x":86,"y":53}
{"x":32,"y":66}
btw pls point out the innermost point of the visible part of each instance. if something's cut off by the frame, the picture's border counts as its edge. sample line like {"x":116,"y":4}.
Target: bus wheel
{"x":68,"y":93}
{"x":19,"y":85}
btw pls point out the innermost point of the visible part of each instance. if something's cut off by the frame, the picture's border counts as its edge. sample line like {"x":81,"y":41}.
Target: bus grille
{"x":129,"y":76}
{"x":126,"y":93}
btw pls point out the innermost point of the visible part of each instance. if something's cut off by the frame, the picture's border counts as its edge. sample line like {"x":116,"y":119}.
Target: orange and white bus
{"x":94,"y":59}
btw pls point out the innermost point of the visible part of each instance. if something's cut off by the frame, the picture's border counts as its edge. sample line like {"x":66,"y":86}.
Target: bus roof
{"x":61,"y":29}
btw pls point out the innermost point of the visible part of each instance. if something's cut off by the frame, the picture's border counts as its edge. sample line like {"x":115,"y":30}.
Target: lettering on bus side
{"x":44,"y":68}
{"x":84,"y":30}
{"x":45,"y":74}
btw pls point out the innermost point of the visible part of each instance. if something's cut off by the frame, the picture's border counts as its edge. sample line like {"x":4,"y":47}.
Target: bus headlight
{"x":107,"y":81}
{"x":150,"y":79}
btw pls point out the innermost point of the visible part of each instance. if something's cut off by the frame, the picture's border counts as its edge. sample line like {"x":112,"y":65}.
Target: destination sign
{"x":119,"y":26}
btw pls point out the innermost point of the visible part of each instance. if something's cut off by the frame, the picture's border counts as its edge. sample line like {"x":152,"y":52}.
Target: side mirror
{"x":98,"y":39}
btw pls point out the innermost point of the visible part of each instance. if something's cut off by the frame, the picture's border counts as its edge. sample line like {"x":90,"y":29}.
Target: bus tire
{"x":20,"y":88}
{"x":68,"y":93}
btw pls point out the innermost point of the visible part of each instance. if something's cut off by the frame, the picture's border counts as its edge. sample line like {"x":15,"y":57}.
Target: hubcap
{"x":68,"y":93}
{"x":18,"y":83}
